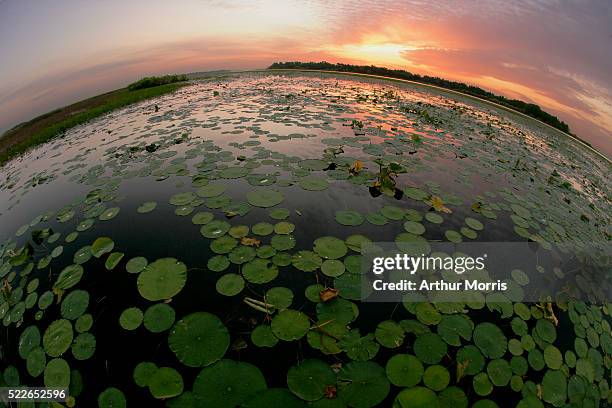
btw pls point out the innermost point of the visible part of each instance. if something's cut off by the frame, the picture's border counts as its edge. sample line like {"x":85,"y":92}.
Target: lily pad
{"x":490,"y":340}
{"x":362,"y":384}
{"x":162,"y":279}
{"x":113,"y":260}
{"x":75,"y":304}
{"x":436,"y":377}
{"x":70,"y":276}
{"x":228,"y":383}
{"x":313,"y":183}
{"x":330,"y":247}
{"x":215,"y":229}
{"x":349,"y":218}
{"x":109,"y":214}
{"x":404,"y":370}
{"x":57,"y":337}
{"x":265,"y":198}
{"x":230,"y":284}
{"x":429,"y":348}
{"x":310,"y":379}
{"x":136,"y":265}
{"x":131,"y":318}
{"x":306,"y":261}
{"x":290,"y":325}
{"x":111,"y":398}
{"x":199,"y":339}
{"x":146,"y":207}
{"x":158,"y":318}
{"x":165,"y":383}
{"x":84,"y":346}
{"x":57,"y":373}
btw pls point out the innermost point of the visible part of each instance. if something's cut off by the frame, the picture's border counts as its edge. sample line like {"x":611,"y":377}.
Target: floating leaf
{"x":131,"y":318}
{"x":228,"y":383}
{"x":158,"y":318}
{"x":362,"y":384}
{"x":199,"y":339}
{"x":265,"y":198}
{"x":165,"y":382}
{"x":290,"y":325}
{"x":490,"y":340}
{"x":310,"y":379}
{"x":57,"y":337}
{"x":230,"y":284}
{"x":349,"y":218}
{"x":162,"y":279}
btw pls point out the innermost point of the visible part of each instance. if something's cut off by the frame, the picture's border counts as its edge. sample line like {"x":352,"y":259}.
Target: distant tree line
{"x":150,"y":82}
{"x":529,"y":109}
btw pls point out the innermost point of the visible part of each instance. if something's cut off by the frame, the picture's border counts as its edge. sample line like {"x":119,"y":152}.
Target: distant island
{"x":528,"y":109}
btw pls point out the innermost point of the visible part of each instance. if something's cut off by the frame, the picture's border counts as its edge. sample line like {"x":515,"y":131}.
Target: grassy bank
{"x":50,"y":125}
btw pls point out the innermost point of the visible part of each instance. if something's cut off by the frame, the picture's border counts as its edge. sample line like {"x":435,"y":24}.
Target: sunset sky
{"x":557,"y":54}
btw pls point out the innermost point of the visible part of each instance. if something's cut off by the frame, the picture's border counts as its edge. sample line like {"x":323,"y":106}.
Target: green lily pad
{"x":165,"y":383}
{"x":136,"y":265}
{"x":265,"y":198}
{"x":279,"y":213}
{"x":28,"y":341}
{"x":284,"y":228}
{"x":474,"y":224}
{"x":36,"y":361}
{"x":349,"y":218}
{"x":202,"y":218}
{"x":111,"y":398}
{"x":83,"y":323}
{"x":75,"y":304}
{"x":57,"y":373}
{"x":223,"y":245}
{"x":239,"y":231}
{"x":283,"y":242}
{"x":146,"y":207}
{"x":500,"y":372}
{"x":414,"y":227}
{"x":143,"y":373}
{"x":262,"y":229}
{"x":306,"y":261}
{"x":218,"y":263}
{"x":389,"y":334}
{"x":84,"y":346}
{"x":416,"y":397}
{"x":453,"y":328}
{"x":131,"y":318}
{"x":436,"y":377}
{"x":393,"y":213}
{"x":553,"y":357}
{"x":228,"y":383}
{"x":57,"y":337}
{"x":358,"y":347}
{"x":490,"y":340}
{"x":279,"y":297}
{"x":330,"y":247}
{"x":230,"y":284}
{"x":482,"y":385}
{"x":362,"y":384}
{"x":262,"y":336}
{"x":109,"y":214}
{"x":70,"y":276}
{"x":554,"y":387}
{"x":242,"y":254}
{"x":404,"y":370}
{"x":159,"y":318}
{"x":332,"y":268}
{"x":430,"y":348}
{"x":290,"y":325}
{"x":113,"y":260}
{"x":199,"y":339}
{"x":162,"y":279}
{"x":310,"y":379}
{"x":215,"y":229}
{"x":211,"y":190}
{"x":313,"y":183}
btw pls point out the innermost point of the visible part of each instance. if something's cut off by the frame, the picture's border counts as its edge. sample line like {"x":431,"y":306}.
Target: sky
{"x":557,"y":54}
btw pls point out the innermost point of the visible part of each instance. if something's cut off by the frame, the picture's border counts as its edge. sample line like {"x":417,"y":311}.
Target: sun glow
{"x":389,"y":54}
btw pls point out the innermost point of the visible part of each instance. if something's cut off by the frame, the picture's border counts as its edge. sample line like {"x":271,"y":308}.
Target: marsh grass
{"x":53,"y":124}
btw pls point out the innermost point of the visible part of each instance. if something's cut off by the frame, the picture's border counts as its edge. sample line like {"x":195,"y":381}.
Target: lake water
{"x":347,"y":157}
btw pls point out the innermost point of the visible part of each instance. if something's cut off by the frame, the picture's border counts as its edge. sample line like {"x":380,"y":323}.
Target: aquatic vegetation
{"x":221,"y":244}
